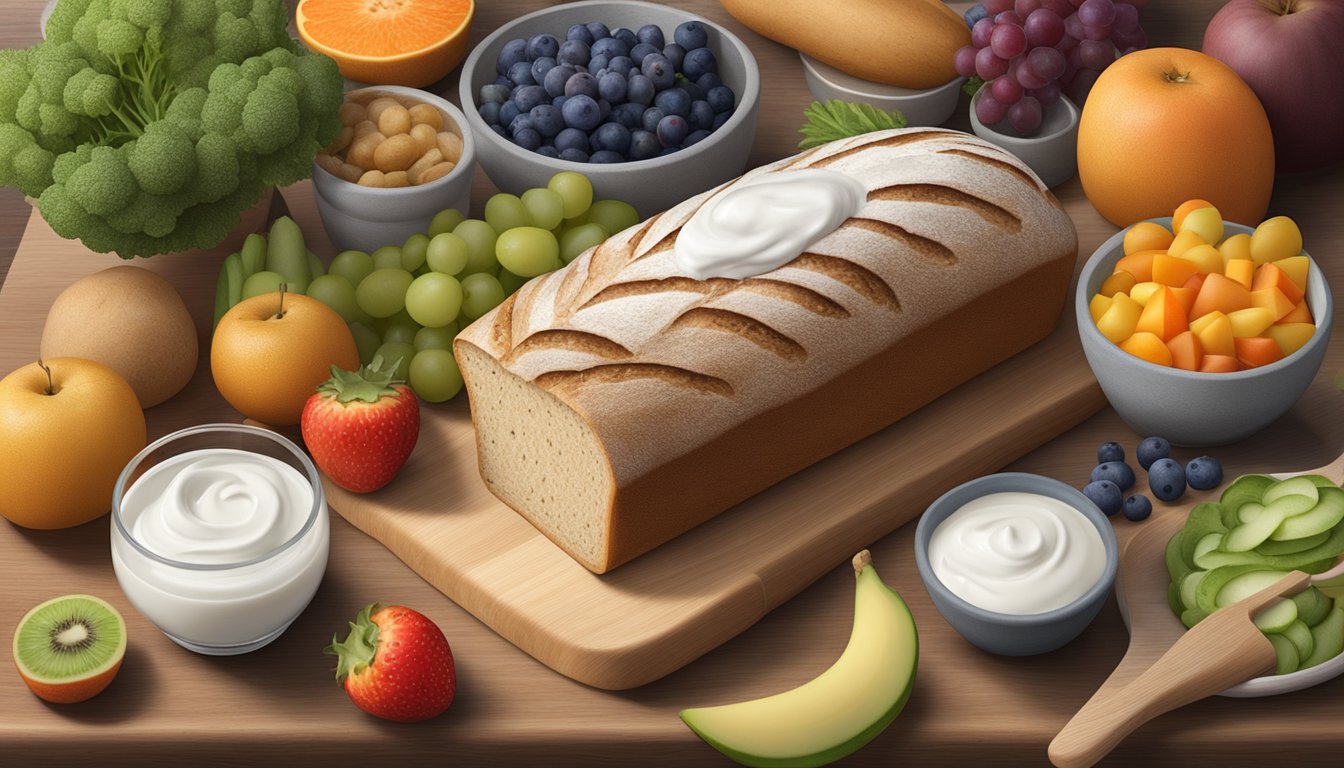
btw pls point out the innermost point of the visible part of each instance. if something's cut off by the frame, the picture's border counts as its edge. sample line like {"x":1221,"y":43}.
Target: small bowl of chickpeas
{"x":401,"y":157}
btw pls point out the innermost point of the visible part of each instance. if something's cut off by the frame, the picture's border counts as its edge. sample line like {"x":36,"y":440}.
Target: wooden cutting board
{"x":654,"y":615}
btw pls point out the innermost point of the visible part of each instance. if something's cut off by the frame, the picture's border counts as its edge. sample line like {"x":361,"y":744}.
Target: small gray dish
{"x":1012,"y":634}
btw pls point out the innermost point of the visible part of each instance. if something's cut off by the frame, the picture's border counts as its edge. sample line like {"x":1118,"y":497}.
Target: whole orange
{"x":1166,"y":125}
{"x":268,"y":357}
{"x":66,"y":440}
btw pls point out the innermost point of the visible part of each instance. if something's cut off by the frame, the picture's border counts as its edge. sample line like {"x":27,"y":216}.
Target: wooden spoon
{"x":1165,"y":666}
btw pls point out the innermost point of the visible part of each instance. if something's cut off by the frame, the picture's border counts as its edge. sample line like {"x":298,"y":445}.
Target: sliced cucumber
{"x":1293,"y":486}
{"x":1209,"y":543}
{"x":1248,"y":536}
{"x":1326,"y":514}
{"x":1321,"y":481}
{"x":1176,"y":567}
{"x":1328,"y":637}
{"x":1300,"y":635}
{"x":1277,"y":617}
{"x":1237,"y":581}
{"x":1249,"y":512}
{"x":1312,"y":606}
{"x":1188,"y":587}
{"x":1174,"y":598}
{"x":1204,"y":519}
{"x":1243,"y":489}
{"x":1291,"y":546}
{"x":1286,"y":658}
{"x":1192,"y":616}
{"x":1331,"y":548}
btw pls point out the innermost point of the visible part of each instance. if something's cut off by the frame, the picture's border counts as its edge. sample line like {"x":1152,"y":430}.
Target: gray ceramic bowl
{"x":1187,"y":407}
{"x":1010,"y":634}
{"x":927,"y":107}
{"x":651,"y":185}
{"x":1052,"y":153}
{"x":367,"y":218}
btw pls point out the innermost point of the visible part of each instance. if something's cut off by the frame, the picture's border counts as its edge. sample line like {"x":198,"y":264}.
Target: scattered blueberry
{"x":1138,"y":507}
{"x":1166,"y":479}
{"x":1204,"y":473}
{"x":1151,"y":449}
{"x":1117,"y":472}
{"x":1105,"y":494}
{"x":1111,"y":451}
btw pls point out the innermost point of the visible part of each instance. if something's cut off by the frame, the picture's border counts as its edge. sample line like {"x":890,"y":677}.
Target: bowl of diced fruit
{"x":1200,"y":329}
{"x":653,"y":104}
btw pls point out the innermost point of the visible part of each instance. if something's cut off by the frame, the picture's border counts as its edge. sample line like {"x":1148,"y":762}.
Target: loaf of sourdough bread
{"x":618,"y":402}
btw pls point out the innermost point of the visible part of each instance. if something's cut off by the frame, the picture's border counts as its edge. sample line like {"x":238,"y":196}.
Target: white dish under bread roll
{"x":619,"y":402}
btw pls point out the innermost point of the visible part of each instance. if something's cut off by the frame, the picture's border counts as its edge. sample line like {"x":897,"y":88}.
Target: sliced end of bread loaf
{"x":540,"y":457}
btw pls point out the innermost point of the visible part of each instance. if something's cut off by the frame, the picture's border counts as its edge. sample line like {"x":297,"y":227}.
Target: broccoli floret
{"x":148,"y":13}
{"x":217,"y":167}
{"x":163,"y":159}
{"x":104,"y":185}
{"x":14,"y":80}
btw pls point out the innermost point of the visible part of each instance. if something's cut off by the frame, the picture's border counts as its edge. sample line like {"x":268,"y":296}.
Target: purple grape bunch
{"x":1030,"y":52}
{"x":608,"y":95}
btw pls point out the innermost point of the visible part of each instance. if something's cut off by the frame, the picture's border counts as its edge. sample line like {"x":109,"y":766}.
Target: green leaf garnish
{"x":841,"y":119}
{"x":972,"y":85}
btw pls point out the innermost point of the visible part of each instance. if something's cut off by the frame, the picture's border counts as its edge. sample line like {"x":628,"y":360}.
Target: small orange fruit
{"x":388,"y":42}
{"x":267,"y":361}
{"x":1166,"y":125}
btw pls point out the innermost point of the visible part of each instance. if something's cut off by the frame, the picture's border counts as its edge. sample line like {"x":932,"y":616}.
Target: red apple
{"x":1291,"y":53}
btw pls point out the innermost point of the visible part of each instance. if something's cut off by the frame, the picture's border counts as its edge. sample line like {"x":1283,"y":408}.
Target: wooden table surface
{"x":279,"y":705}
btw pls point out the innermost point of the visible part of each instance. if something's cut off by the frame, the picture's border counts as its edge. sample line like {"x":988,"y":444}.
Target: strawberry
{"x":395,"y":664}
{"x":361,"y":425}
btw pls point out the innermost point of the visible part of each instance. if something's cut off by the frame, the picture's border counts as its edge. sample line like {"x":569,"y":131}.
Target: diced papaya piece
{"x":1273,"y":300}
{"x":1148,"y":346}
{"x":1219,"y":364}
{"x":1184,"y":241}
{"x":1249,"y":322}
{"x":1291,"y":336}
{"x":1186,"y":351}
{"x":1186,"y":295}
{"x":1300,"y":314}
{"x":1269,"y":275}
{"x":1241,"y":270}
{"x":1172,"y":271}
{"x":1119,"y":282}
{"x":1206,"y":222}
{"x":1215,"y":334}
{"x":1139,"y":264}
{"x":1163,"y":316}
{"x":1120,"y":319}
{"x":1220,"y":294}
{"x":1184,"y":209}
{"x":1098,"y":306}
{"x":1147,"y":236}
{"x":1257,"y":351}
{"x":1205,"y":257}
{"x":1237,"y":246}
{"x":1141,"y":292}
{"x":1296,"y":268}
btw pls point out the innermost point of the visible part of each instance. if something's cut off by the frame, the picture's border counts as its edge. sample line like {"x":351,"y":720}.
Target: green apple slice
{"x":1312,"y":606}
{"x":1328,"y":637}
{"x":1300,"y":635}
{"x":1243,"y":489}
{"x":1286,"y":658}
{"x":841,"y":709}
{"x":1326,"y":514}
{"x":1291,"y":546}
{"x":1295,"y":486}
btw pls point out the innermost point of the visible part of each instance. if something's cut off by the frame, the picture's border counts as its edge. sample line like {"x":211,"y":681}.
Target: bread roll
{"x":619,"y":402}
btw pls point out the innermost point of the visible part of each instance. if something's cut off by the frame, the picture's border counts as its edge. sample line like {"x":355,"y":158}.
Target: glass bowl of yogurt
{"x":1018,"y":564}
{"x":220,"y":536}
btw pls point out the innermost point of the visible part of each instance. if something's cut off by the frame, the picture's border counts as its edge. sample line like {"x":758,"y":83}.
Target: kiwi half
{"x":69,"y":648}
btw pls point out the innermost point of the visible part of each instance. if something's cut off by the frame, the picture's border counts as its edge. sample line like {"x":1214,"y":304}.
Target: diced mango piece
{"x":1241,"y":270}
{"x":1257,"y":351}
{"x":1163,"y":316}
{"x":1300,"y":314}
{"x":1185,"y":241}
{"x":1291,"y":336}
{"x":1219,"y":364}
{"x":1172,"y":271}
{"x":1186,"y":295}
{"x":1269,"y":275}
{"x":1139,"y":264}
{"x":1119,"y":282}
{"x":1184,"y":209}
{"x":1205,"y":257}
{"x":1215,"y":334}
{"x":1220,"y":294}
{"x":1276,"y":238}
{"x":1206,"y":222}
{"x":1296,"y":268}
{"x":1147,"y":236}
{"x":1273,"y":300}
{"x":1250,"y":322}
{"x":1186,"y":351}
{"x":1237,"y":246}
{"x":1098,"y":306}
{"x":1120,"y":319}
{"x":1141,"y":292}
{"x":1148,"y":346}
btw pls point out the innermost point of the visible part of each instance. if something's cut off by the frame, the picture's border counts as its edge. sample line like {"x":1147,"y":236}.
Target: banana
{"x":841,"y":709}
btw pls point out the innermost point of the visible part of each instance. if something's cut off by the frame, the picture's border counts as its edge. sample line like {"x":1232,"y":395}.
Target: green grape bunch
{"x":149,"y":126}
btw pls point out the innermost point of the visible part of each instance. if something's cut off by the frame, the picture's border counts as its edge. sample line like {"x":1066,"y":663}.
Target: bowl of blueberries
{"x":653,"y":104}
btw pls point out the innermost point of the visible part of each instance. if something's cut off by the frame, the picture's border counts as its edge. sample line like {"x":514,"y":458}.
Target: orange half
{"x":388,"y":42}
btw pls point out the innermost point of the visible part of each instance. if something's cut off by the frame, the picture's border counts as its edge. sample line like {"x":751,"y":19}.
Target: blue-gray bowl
{"x":1012,"y":634}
